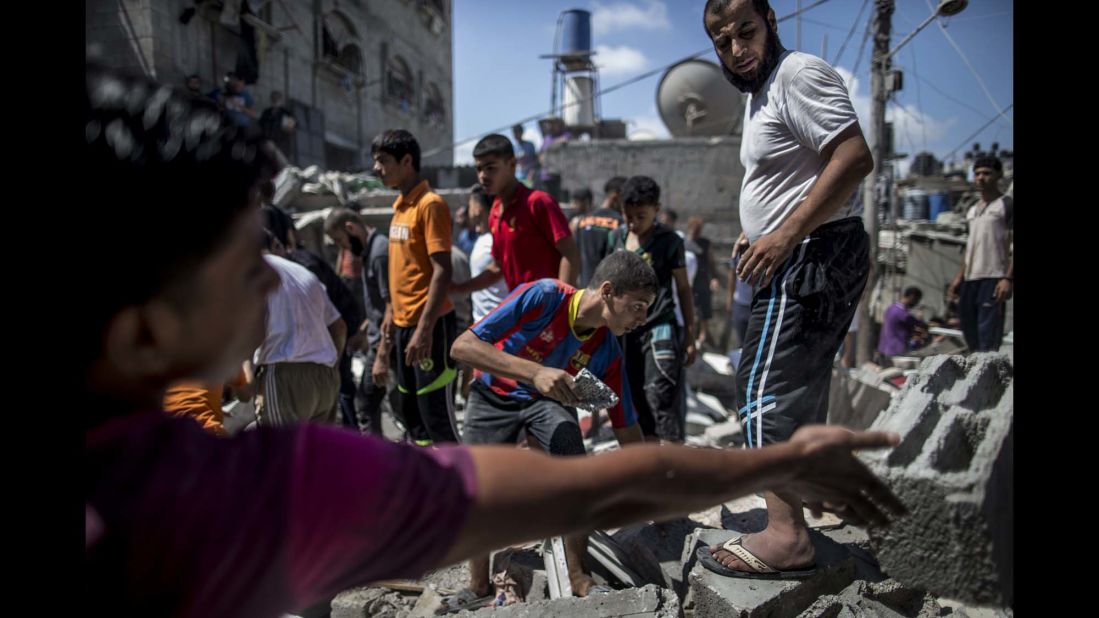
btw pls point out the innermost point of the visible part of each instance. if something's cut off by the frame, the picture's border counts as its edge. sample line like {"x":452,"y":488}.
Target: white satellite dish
{"x":695,"y":100}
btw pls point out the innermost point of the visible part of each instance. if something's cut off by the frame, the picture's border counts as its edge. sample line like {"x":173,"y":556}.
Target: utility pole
{"x":797,"y":43}
{"x":883,"y":25}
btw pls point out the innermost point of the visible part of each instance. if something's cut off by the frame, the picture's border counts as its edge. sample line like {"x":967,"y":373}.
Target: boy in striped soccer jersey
{"x":526,"y":353}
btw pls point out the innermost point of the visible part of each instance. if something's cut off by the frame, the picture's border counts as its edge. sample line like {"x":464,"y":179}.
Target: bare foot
{"x":581,"y":584}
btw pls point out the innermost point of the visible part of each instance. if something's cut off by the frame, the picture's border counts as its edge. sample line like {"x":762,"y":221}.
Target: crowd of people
{"x":501,"y":313}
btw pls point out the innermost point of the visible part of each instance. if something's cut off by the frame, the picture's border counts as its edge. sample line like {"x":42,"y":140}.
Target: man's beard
{"x":771,"y":51}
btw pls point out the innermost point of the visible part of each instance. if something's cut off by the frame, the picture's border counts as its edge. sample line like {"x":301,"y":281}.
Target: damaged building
{"x":348,"y":70}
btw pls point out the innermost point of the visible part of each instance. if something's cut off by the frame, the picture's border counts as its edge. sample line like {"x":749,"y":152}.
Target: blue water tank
{"x":575,"y":31}
{"x":938,"y":203}
{"x":915,"y":205}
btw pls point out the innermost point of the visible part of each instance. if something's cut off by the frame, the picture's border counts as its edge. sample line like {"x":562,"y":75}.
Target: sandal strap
{"x":736,"y":547}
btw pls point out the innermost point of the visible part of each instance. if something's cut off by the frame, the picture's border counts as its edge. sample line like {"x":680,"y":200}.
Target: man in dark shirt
{"x":593,"y":229}
{"x":347,"y":229}
{"x":279,"y":123}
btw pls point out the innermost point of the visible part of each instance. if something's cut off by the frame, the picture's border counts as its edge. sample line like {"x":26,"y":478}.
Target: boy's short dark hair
{"x":146,"y":144}
{"x":640,"y":190}
{"x":478,"y":193}
{"x":627,"y":272}
{"x":913,"y":291}
{"x":397,"y":143}
{"x":582,"y":194}
{"x":276,"y":221}
{"x":713,"y":7}
{"x":990,"y":162}
{"x":338,"y":216}
{"x":494,"y":144}
{"x":614,"y":185}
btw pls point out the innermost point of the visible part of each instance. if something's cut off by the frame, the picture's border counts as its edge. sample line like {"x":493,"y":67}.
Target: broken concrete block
{"x":855,"y":401}
{"x":539,"y":587}
{"x":425,"y":606}
{"x":370,"y":603}
{"x":887,"y":599}
{"x":724,"y":435}
{"x":656,"y":550}
{"x":647,"y":602}
{"x":961,"y":610}
{"x":716,"y":595}
{"x":619,"y":565}
{"x":954,"y":471}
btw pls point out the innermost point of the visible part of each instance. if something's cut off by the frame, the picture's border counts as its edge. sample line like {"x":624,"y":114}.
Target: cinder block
{"x":954,"y":470}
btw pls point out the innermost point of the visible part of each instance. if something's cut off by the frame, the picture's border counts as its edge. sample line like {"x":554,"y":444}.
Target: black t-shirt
{"x":664,"y":252}
{"x":592,"y":231}
{"x":701,"y":248}
{"x":272,"y":123}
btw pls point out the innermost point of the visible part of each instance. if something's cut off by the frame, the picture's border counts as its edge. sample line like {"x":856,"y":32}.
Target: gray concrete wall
{"x":120,"y":33}
{"x":350,"y":119}
{"x":697,"y":176}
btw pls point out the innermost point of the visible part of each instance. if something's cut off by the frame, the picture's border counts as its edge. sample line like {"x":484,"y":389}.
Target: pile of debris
{"x":952,"y":556}
{"x":313,"y":189}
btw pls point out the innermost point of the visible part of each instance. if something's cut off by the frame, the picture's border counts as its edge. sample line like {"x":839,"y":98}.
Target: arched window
{"x":434,"y":107}
{"x":340,"y":43}
{"x":398,"y":83}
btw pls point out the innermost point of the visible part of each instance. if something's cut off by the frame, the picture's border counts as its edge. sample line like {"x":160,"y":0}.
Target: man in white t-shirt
{"x":986,"y":279}
{"x":802,"y":248}
{"x":484,"y":300}
{"x":296,"y":366}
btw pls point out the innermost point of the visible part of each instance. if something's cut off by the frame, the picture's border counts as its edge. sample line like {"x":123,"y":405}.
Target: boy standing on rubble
{"x":659,"y":348}
{"x":526,"y":353}
{"x":421,"y":322}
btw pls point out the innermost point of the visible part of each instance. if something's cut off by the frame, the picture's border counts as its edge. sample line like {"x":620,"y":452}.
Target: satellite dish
{"x":695,"y":100}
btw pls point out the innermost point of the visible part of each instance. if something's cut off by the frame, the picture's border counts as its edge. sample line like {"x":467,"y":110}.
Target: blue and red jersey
{"x":536,"y":323}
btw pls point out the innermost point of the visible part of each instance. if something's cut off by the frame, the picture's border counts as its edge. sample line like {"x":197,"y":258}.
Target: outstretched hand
{"x":831,"y":478}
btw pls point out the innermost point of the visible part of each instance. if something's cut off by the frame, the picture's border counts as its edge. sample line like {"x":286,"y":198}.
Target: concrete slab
{"x":370,"y":602}
{"x":646,"y":602}
{"x":715,"y":595}
{"x":887,"y":599}
{"x":954,"y":470}
{"x":725,"y":434}
{"x":660,"y":545}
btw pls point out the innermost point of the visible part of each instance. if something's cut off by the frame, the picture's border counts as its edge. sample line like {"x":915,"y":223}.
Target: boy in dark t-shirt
{"x":661,"y":347}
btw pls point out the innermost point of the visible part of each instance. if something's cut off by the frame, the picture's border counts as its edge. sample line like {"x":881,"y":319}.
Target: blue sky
{"x":499,"y":78}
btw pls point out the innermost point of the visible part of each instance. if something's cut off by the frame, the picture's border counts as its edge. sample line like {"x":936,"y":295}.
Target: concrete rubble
{"x":372,"y":602}
{"x":838,"y":565}
{"x":954,"y":470}
{"x":887,"y":599}
{"x":649,"y":601}
{"x":950,"y":557}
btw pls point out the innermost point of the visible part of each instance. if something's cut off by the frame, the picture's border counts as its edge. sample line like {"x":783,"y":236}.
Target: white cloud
{"x":621,"y":60}
{"x":628,"y":16}
{"x":646,"y":127}
{"x":909,"y":123}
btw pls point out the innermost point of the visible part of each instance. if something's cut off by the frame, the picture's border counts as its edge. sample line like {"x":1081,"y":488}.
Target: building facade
{"x":348,"y":69}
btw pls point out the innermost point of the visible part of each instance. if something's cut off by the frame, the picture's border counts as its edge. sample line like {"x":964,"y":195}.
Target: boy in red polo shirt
{"x":530,"y":235}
